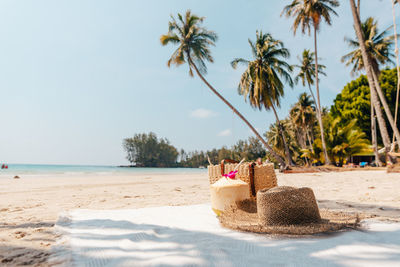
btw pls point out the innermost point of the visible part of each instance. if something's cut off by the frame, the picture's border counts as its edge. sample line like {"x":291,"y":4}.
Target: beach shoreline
{"x":30,"y":206}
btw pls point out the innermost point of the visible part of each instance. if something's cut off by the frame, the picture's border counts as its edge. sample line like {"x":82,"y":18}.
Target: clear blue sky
{"x":78,"y":76}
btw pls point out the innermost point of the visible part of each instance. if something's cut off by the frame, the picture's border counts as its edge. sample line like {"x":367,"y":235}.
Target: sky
{"x":79,"y":76}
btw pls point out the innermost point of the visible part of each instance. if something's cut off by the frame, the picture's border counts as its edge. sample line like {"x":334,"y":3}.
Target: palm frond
{"x":378,"y":46}
{"x":261,"y":84}
{"x":193,"y":39}
{"x":307,"y":13}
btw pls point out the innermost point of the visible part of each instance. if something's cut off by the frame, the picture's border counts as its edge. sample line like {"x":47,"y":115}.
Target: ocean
{"x":43,"y":169}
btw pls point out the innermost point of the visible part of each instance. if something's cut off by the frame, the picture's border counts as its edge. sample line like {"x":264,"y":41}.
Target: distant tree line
{"x":250,"y":150}
{"x":147,"y":150}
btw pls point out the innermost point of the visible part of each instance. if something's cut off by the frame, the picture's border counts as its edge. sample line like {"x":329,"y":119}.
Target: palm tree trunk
{"x":372,"y":78}
{"x":318,"y":114}
{"x":276,"y":156}
{"x":305,"y":129}
{"x":321,"y":126}
{"x":300,"y":137}
{"x":396,"y":51}
{"x":312,"y":133}
{"x":313,"y":96}
{"x":375,"y":73}
{"x":307,"y":162}
{"x":373,"y":134}
{"x":378,"y":110}
{"x":303,"y":138}
{"x":379,"y":115}
{"x":309,"y":140}
{"x":376,"y":106}
{"x":287,"y":151}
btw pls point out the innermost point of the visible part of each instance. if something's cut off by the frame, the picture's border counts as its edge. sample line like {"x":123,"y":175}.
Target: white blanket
{"x":192,"y":236}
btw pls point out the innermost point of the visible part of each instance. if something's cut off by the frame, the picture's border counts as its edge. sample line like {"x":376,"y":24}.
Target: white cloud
{"x":202,"y":113}
{"x":226,"y":132}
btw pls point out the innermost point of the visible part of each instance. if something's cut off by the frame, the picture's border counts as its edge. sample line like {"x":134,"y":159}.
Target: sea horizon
{"x":77,"y":169}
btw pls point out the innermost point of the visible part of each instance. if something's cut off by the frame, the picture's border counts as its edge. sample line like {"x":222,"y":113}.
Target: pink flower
{"x":231,"y":175}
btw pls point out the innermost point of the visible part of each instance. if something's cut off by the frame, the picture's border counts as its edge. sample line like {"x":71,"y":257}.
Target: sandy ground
{"x":29,"y":207}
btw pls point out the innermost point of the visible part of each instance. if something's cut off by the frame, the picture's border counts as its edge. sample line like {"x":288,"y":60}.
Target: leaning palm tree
{"x":309,"y":13}
{"x":372,"y":75}
{"x":307,"y":71}
{"x":194,"y":43}
{"x":261,"y":82}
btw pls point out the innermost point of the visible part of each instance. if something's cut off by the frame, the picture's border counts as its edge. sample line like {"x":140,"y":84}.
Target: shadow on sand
{"x":29,"y":237}
{"x":22,"y":256}
{"x":129,"y":244}
{"x":368,"y":209}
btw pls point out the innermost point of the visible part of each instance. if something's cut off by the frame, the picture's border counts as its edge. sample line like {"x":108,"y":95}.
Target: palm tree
{"x":194,"y":43}
{"x":344,"y":141}
{"x":302,"y":115}
{"x":372,"y":75}
{"x":261,"y":82}
{"x":378,"y":49}
{"x":306,"y":75}
{"x":396,"y":51}
{"x":273,"y":135}
{"x":292,"y":137}
{"x":378,"y":46}
{"x":307,"y":71}
{"x":309,"y":13}
{"x":274,"y":138}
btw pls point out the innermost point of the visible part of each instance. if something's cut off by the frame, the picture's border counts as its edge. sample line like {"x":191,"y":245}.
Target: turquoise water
{"x":41,"y":169}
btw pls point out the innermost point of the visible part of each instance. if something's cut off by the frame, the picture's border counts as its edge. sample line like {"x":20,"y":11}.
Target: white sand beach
{"x":112,"y":111}
{"x":30,"y":206}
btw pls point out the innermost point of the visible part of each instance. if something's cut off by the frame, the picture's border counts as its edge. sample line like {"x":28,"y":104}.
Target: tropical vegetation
{"x":261,"y":82}
{"x":353,"y":102}
{"x":377,"y":96}
{"x":348,"y":131}
{"x":194,"y":43}
{"x":309,"y":14}
{"x":311,"y":133}
{"x":307,"y":71}
{"x":147,"y":150}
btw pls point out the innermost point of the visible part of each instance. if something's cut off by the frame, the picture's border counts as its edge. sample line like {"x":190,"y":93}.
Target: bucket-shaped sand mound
{"x":285,"y":205}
